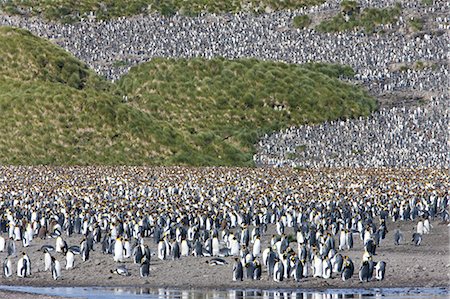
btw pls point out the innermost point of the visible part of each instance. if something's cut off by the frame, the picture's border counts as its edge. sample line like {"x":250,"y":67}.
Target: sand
{"x":427,"y":265}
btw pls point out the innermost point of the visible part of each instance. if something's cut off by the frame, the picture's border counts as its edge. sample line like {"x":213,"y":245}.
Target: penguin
{"x":118,"y":250}
{"x":84,"y":250}
{"x":278,"y":272}
{"x":215,"y":246}
{"x":327,"y":268}
{"x":398,"y":237}
{"x":380,"y":269}
{"x":61,"y":245}
{"x":216,"y":261}
{"x":22,"y":266}
{"x":126,"y":249}
{"x":349,"y":240}
{"x":198,"y":249}
{"x":144,"y":269}
{"x":2,"y":244}
{"x":70,"y":260}
{"x":298,"y":270}
{"x":184,"y":248}
{"x":265,"y":256}
{"x":337,"y":262}
{"x":11,"y":247}
{"x":249,"y":269}
{"x":7,"y":267}
{"x":342,"y":239}
{"x":271,"y":260}
{"x":348,"y":269}
{"x":138,"y":254}
{"x":238,"y":271}
{"x":234,"y":246}
{"x":175,"y":251}
{"x":416,"y":239}
{"x":420,"y":227}
{"x":317,"y":266}
{"x":257,"y":270}
{"x":121,"y":270}
{"x":56,"y":269}
{"x":47,"y":260}
{"x":427,"y":226}
{"x":161,"y":250}
{"x":257,"y":246}
{"x":364,"y":272}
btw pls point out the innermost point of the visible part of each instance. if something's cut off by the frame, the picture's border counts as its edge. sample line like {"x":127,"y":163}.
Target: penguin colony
{"x":222,"y":214}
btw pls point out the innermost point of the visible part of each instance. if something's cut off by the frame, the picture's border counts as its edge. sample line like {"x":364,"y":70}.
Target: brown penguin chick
{"x":42,"y":233}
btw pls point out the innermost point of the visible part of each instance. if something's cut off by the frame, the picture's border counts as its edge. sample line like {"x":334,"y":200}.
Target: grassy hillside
{"x":367,"y":19}
{"x":69,"y":11}
{"x":196,"y":112}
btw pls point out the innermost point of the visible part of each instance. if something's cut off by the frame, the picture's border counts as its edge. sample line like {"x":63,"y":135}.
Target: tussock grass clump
{"x":54,"y":110}
{"x":302,"y":21}
{"x":352,"y":17}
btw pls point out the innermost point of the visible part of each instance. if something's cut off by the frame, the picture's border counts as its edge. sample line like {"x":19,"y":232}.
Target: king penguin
{"x":144,"y":269}
{"x":47,"y":260}
{"x":364,"y":272}
{"x":118,"y":250}
{"x":238,"y":271}
{"x":56,"y":269}
{"x":70,"y":260}
{"x":380,"y":269}
{"x":278,"y":272}
{"x":7,"y":267}
{"x":22,"y":266}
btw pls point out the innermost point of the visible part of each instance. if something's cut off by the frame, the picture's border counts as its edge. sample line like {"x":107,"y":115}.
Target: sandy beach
{"x":427,"y":265}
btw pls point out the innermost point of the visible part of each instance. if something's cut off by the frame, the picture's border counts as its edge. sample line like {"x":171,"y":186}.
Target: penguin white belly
{"x":70,"y":259}
{"x":47,"y":261}
{"x":257,"y":248}
{"x":318,"y":267}
{"x":118,"y":251}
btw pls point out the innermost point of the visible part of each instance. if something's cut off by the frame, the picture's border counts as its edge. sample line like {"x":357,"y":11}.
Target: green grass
{"x":367,"y":19}
{"x":302,"y":21}
{"x":72,"y":11}
{"x":190,"y":112}
{"x":416,"y":23}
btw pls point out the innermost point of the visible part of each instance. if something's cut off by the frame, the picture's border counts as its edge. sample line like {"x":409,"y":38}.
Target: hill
{"x":71,"y":11}
{"x":55,"y":110}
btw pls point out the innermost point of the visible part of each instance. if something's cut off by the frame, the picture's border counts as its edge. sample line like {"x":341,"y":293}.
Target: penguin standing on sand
{"x":257,"y":271}
{"x":416,"y":239}
{"x":175,"y":250}
{"x":278,"y":272}
{"x":84,"y":250}
{"x":398,"y":237}
{"x":364,"y":272}
{"x":47,"y":260}
{"x":380,"y":269}
{"x":298,"y":270}
{"x":161,"y":250}
{"x":7,"y":267}
{"x":249,"y":269}
{"x":11,"y":247}
{"x":56,"y":269}
{"x":118,"y":250}
{"x":271,"y":260}
{"x":184,"y":248}
{"x":22,"y":266}
{"x":257,"y":246}
{"x":348,"y":269}
{"x":144,"y":269}
{"x":70,"y":260}
{"x":238,"y":271}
